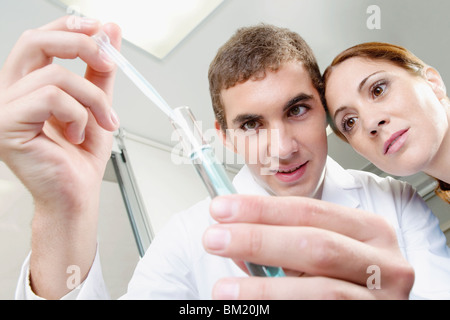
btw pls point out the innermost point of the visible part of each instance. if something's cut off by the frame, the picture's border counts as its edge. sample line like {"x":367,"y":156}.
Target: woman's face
{"x":391,"y":117}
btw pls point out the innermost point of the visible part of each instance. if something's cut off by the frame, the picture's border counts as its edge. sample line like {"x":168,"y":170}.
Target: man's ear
{"x":435,"y":80}
{"x":226,"y":140}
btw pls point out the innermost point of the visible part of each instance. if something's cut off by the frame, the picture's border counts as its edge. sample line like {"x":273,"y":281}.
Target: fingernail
{"x":226,"y":290}
{"x":105,"y":57}
{"x":83,"y":136}
{"x":89,"y":21}
{"x":223,"y":208}
{"x":114,"y":118}
{"x":74,"y":22}
{"x":217,"y":238}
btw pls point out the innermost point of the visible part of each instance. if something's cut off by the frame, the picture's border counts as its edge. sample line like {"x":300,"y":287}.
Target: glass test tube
{"x":211,"y":171}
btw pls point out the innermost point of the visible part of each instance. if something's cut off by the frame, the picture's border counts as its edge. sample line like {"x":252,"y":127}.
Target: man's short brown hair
{"x":252,"y":51}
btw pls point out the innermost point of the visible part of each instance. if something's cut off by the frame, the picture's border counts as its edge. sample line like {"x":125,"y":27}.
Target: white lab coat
{"x":177,"y":267}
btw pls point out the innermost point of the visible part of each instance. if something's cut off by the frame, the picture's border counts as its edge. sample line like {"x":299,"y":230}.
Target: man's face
{"x":278,"y":125}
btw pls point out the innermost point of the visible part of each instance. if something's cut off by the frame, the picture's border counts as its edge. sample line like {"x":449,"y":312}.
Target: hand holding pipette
{"x":56,"y":135}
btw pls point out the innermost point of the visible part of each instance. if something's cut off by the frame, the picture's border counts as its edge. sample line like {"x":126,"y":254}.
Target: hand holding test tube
{"x":201,"y":154}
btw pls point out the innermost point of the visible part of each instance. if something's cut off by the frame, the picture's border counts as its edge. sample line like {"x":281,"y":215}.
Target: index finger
{"x":36,"y":48}
{"x":101,"y":78}
{"x":104,"y":79}
{"x":74,"y":24}
{"x":300,"y":211}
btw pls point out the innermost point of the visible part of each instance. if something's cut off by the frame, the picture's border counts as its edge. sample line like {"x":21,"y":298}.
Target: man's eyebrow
{"x":241,"y":118}
{"x":297,"y":99}
{"x":363,"y":82}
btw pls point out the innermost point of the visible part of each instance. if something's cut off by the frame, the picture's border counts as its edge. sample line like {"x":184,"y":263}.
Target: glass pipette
{"x":105,"y":45}
{"x":210,"y":170}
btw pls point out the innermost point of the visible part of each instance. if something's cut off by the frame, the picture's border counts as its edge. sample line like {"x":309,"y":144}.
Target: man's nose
{"x":282,"y":143}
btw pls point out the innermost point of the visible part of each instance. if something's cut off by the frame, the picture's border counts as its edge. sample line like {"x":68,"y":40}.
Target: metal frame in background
{"x":134,"y":205}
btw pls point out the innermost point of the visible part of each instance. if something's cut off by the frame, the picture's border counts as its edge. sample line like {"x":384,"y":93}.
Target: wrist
{"x":63,"y":237}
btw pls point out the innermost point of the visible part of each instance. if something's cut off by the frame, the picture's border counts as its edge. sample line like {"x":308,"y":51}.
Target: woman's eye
{"x":378,"y":90}
{"x":348,"y":123}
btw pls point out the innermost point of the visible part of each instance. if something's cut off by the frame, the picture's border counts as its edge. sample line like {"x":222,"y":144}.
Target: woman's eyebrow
{"x":338,"y":111}
{"x":363,"y":82}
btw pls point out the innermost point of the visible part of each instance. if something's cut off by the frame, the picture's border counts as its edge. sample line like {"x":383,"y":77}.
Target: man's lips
{"x":291,"y":173}
{"x":290,"y":169}
{"x":395,"y":142}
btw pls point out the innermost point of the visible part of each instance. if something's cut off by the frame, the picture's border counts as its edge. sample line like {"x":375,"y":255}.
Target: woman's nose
{"x":374,"y":125}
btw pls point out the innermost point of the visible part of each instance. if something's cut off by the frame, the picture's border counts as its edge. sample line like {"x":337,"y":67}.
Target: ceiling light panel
{"x":157,"y":26}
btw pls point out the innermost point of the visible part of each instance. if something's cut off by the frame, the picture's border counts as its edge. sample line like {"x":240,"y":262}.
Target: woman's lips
{"x":292,"y":173}
{"x":395,"y":142}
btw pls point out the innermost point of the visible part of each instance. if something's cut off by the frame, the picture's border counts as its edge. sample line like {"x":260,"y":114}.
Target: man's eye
{"x":297,"y":111}
{"x":250,"y":125}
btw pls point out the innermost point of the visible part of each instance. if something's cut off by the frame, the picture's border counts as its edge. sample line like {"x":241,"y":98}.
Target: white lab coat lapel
{"x":340,"y":186}
{"x":246,"y":184}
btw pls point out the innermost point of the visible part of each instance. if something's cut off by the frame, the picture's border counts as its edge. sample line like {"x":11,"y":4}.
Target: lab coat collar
{"x":339,"y":186}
